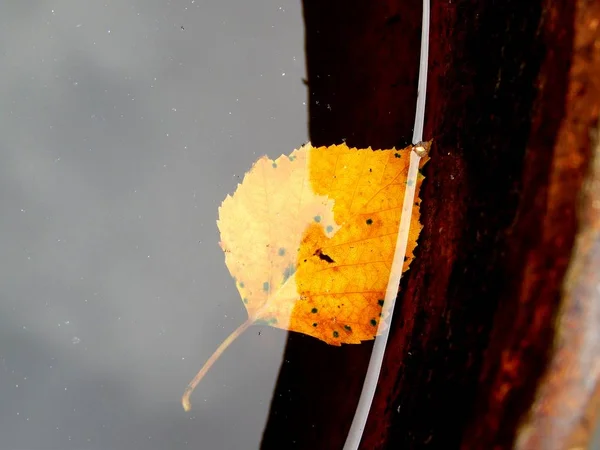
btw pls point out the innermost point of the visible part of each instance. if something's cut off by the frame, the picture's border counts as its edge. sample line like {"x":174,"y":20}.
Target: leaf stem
{"x":185,"y":400}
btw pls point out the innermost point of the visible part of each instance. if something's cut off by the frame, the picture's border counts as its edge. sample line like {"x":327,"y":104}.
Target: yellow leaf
{"x":310,"y":240}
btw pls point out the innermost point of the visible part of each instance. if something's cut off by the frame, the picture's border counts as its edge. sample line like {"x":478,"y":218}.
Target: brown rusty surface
{"x":563,"y":412}
{"x":542,"y":238}
{"x":562,"y":415}
{"x":568,"y":395}
{"x":511,"y":99}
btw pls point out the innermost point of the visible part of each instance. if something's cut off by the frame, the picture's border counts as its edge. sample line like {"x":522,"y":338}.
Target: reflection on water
{"x":125,"y":124}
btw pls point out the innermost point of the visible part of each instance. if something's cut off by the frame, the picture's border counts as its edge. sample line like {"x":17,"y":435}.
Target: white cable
{"x":422,"y":83}
{"x":366,"y":397}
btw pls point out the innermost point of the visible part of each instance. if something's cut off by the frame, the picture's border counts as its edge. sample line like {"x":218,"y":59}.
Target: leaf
{"x":310,"y":240}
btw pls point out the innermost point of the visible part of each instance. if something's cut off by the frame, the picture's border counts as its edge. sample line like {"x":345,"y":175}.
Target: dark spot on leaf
{"x":317,"y":219}
{"x":369,"y":221}
{"x":397,"y":155}
{"x":323,"y":256}
{"x":241,"y":284}
{"x":329,"y":229}
{"x":245,"y":300}
{"x":373,"y":322}
{"x":266,"y":286}
{"x":315,"y":324}
{"x":274,"y":165}
{"x":348,"y":328}
{"x":335,"y":334}
{"x":380,"y":302}
{"x":314,"y":310}
{"x":281,"y":251}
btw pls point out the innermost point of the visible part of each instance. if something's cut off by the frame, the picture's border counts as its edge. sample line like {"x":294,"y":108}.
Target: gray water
{"x":124,"y":124}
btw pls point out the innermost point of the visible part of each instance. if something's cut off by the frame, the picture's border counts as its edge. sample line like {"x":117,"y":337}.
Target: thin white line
{"x":422,"y":84}
{"x":366,"y":397}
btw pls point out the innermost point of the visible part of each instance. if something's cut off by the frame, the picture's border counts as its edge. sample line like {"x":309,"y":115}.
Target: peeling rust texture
{"x":545,"y":345}
{"x":563,"y":415}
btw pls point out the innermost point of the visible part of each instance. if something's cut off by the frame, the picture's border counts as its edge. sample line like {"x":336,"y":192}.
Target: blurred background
{"x":123,"y":126}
